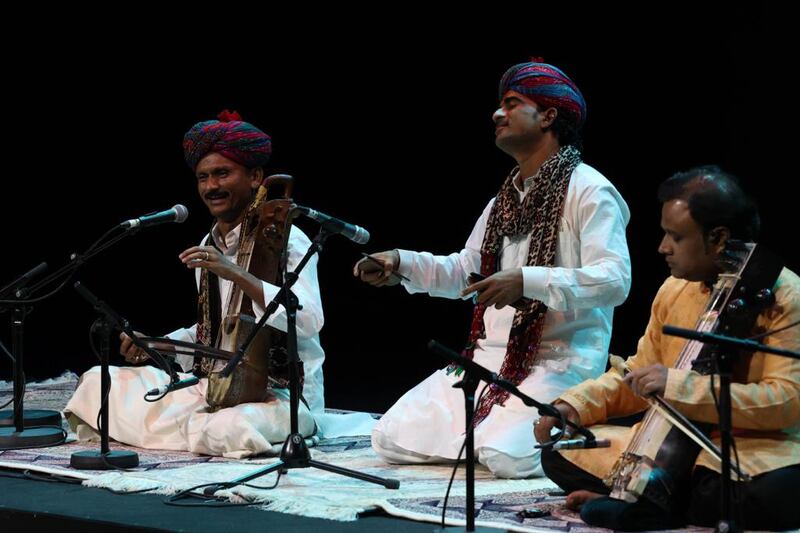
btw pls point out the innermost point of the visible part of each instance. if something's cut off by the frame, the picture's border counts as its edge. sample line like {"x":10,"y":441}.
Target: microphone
{"x":178,"y":214}
{"x":583,"y":444}
{"x":169,"y":387}
{"x":18,"y":284}
{"x":357,"y":234}
{"x":712,"y":338}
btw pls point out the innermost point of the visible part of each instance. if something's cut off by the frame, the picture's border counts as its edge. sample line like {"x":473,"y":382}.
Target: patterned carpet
{"x":306,"y":491}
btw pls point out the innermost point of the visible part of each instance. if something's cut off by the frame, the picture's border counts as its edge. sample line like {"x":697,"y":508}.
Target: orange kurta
{"x":765,"y":406}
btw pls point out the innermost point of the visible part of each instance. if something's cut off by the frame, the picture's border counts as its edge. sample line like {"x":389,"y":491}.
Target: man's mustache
{"x":216,"y":195}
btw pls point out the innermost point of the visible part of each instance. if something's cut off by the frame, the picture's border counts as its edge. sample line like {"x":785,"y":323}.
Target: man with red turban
{"x":229,"y":137}
{"x":227,"y":157}
{"x":552,"y":250}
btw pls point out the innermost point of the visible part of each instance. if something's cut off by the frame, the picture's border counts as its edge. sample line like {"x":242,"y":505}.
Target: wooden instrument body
{"x":262,"y":252}
{"x":660,"y":457}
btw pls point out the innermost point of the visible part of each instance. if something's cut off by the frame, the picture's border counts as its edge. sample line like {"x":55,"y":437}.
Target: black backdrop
{"x":384,"y":125}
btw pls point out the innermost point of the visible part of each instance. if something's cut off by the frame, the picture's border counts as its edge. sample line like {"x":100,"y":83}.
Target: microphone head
{"x":181,"y":213}
{"x":361,"y":236}
{"x":297,"y":211}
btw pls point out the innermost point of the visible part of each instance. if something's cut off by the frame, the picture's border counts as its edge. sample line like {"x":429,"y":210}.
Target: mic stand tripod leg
{"x":105,"y":459}
{"x":295,"y":453}
{"x":31,"y":429}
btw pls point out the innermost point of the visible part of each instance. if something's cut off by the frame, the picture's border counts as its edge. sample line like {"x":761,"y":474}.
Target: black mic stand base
{"x":105,"y":458}
{"x":31,"y":418}
{"x":295,"y":454}
{"x":32,"y":437}
{"x":21,"y":428}
{"x":95,"y":460}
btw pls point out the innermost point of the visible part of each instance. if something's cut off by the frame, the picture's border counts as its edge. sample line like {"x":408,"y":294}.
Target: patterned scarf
{"x":209,"y":317}
{"x":538,"y":214}
{"x":209,"y":314}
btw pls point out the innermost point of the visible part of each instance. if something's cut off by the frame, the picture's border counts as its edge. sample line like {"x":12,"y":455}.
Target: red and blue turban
{"x":229,"y":136}
{"x":547,"y":86}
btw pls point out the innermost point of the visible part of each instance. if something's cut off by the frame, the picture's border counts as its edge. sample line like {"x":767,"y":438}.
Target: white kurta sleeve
{"x":187,"y":335}
{"x":603,"y":276}
{"x":444,"y":275}
{"x":310,"y":318}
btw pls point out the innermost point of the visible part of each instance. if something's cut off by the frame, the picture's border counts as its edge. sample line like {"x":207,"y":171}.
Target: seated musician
{"x":702,"y":210}
{"x":554,"y":234}
{"x":227,"y":157}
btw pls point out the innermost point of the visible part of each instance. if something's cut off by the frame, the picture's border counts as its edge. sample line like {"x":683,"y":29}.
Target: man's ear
{"x":718,"y":237}
{"x":258,"y":177}
{"x":549,"y":116}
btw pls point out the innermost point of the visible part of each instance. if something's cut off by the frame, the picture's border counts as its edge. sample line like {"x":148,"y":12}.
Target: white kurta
{"x":181,"y":421}
{"x":591,"y":275}
{"x":309,"y":319}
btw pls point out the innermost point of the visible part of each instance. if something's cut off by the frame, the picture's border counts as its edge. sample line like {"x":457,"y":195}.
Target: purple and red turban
{"x":229,"y":136}
{"x":547,"y":86}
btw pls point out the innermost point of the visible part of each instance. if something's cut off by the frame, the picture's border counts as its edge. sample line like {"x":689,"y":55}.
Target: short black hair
{"x":715,"y":198}
{"x":566,"y":129}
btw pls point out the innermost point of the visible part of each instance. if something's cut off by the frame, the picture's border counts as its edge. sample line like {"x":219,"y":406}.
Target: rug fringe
{"x":314,"y":509}
{"x":66,"y":377}
{"x":118,"y":482}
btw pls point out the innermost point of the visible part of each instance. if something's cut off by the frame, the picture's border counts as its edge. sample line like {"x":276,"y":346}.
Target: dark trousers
{"x":770,"y":501}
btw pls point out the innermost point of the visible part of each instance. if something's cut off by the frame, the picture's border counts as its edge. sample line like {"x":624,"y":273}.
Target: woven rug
{"x":307,"y":491}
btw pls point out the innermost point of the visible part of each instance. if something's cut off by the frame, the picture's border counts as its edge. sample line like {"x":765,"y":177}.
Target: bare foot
{"x":576,"y":499}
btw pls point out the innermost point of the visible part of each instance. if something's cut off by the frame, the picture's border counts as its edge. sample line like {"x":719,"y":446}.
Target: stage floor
{"x":27,"y":504}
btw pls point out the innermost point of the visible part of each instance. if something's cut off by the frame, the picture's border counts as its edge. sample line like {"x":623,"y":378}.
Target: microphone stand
{"x":106,"y":459}
{"x":468,"y":385}
{"x":294,"y":453}
{"x":47,"y":435}
{"x":33,"y":428}
{"x":76,"y":261}
{"x":725,"y":359}
{"x":473,"y":374}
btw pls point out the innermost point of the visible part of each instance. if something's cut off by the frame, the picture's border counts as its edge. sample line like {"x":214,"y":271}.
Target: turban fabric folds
{"x":230,"y":137}
{"x":547,"y":86}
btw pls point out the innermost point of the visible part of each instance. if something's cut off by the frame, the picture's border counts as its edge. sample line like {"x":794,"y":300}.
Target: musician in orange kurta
{"x":702,"y":209}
